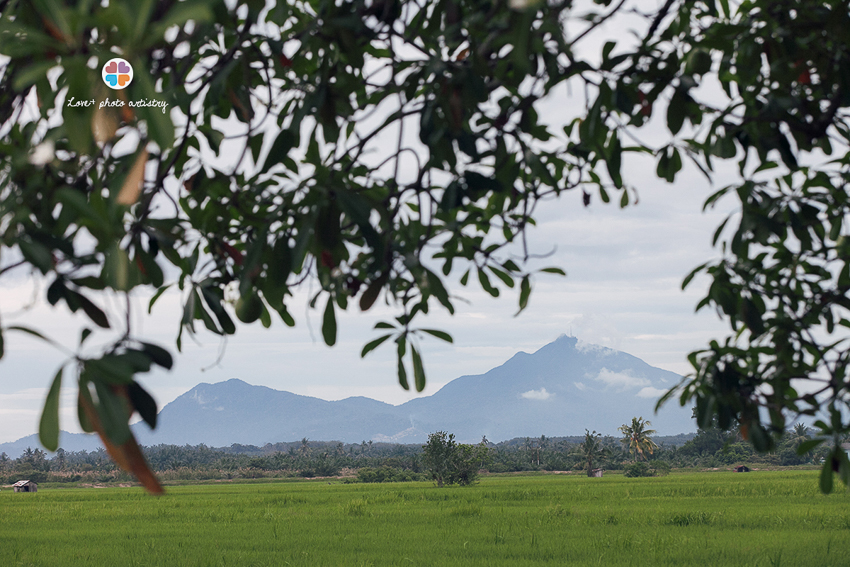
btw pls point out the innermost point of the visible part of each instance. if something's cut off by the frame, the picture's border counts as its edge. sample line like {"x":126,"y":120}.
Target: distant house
{"x":596,"y":473}
{"x":25,"y":486}
{"x":742,"y":468}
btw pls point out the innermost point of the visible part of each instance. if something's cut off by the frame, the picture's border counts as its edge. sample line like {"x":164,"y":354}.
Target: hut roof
{"x":23,"y":483}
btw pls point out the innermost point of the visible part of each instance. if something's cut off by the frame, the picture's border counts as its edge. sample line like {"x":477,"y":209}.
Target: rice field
{"x":721,"y":518}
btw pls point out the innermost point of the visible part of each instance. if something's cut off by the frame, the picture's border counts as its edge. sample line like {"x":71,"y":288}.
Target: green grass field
{"x":706,"y":519}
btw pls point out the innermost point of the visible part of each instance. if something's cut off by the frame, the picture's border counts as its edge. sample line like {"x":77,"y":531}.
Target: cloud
{"x":621,"y":380}
{"x":540,"y":394}
{"x":580,"y":386}
{"x":650,"y":392}
{"x":583,"y":346}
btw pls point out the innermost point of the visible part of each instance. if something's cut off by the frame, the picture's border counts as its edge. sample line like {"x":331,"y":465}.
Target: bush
{"x":651,"y":468}
{"x":637,"y":469}
{"x":450,"y":463}
{"x":388,"y":474}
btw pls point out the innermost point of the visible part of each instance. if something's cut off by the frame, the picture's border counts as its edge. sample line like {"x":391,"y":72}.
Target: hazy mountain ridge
{"x":560,"y":390}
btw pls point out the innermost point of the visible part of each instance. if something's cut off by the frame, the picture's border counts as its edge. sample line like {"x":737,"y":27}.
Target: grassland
{"x":769,"y":519}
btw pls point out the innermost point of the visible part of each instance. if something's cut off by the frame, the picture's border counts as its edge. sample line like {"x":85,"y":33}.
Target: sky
{"x":622,"y":290}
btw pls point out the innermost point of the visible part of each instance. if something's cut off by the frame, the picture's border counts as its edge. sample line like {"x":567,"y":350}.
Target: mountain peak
{"x":563,"y":388}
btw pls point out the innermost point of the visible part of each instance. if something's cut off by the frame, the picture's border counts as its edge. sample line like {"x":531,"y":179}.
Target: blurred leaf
{"x":143,"y":403}
{"x":329,"y":323}
{"x":48,"y":428}
{"x":418,"y":369}
{"x":158,"y":355}
{"x":439,"y":334}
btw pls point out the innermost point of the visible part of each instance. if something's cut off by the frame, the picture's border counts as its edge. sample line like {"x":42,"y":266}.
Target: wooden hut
{"x":596,"y":473}
{"x":742,"y":468}
{"x":25,"y":486}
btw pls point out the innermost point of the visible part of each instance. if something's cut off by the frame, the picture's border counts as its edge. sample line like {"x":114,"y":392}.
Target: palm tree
{"x":591,"y":450}
{"x":636,"y":437}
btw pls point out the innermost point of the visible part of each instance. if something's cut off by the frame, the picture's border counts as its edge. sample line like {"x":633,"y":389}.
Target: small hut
{"x":597,"y":473}
{"x":742,"y":468}
{"x":25,"y":486}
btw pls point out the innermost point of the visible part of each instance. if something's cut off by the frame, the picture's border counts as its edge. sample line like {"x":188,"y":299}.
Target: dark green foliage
{"x":644,"y":468}
{"x":388,"y":474}
{"x":448,"y":462}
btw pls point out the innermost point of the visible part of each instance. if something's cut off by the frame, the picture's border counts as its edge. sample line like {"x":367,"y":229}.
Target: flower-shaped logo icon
{"x":117,"y":73}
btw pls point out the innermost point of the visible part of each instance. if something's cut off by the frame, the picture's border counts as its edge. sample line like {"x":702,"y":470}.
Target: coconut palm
{"x":591,"y":450}
{"x":636,"y":437}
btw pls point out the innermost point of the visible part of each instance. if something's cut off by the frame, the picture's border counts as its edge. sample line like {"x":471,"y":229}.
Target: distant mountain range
{"x":562,"y":389}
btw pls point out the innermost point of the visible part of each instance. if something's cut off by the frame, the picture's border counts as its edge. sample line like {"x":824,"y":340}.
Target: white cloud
{"x":583,"y":346}
{"x":580,"y":386}
{"x":650,"y":392}
{"x":621,"y":380}
{"x":540,"y":394}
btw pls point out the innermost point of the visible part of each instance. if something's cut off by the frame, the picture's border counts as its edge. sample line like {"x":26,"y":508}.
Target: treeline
{"x":379,"y":462}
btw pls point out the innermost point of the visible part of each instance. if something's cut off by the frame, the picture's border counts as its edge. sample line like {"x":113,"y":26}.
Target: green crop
{"x":761,"y":518}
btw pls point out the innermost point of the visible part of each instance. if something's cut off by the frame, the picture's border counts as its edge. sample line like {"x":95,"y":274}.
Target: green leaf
{"x":809,"y":445}
{"x":158,"y":355}
{"x":110,"y":370}
{"x":676,"y":111}
{"x":613,"y":161}
{"x":31,"y":74}
{"x":504,"y":276}
{"x":84,"y":335}
{"x":371,"y":294}
{"x":94,"y":312}
{"x":37,"y":255}
{"x":156,"y":296}
{"x":439,"y":334}
{"x":48,"y":428}
{"x":554,"y":270}
{"x":524,"y":294}
{"x":329,"y":323}
{"x":29,"y":331}
{"x":82,"y":416}
{"x":112,"y":413}
{"x":402,"y":372}
{"x":418,"y":370}
{"x":143,"y":403}
{"x":372,"y":345}
{"x":485,"y":283}
{"x":826,"y":476}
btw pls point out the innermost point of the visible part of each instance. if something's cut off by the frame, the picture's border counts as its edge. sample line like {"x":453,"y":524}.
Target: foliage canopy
{"x":374,"y":147}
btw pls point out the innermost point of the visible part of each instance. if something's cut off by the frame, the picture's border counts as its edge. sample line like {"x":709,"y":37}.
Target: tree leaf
{"x":133,"y":183}
{"x":112,"y":414}
{"x":439,"y":334}
{"x":418,"y":369}
{"x":676,"y":111}
{"x":372,"y":345}
{"x":158,"y":355}
{"x":826,"y":476}
{"x":94,"y":312}
{"x":48,"y":428}
{"x":524,"y":294}
{"x":371,"y":294}
{"x":329,"y":323}
{"x":143,"y":403}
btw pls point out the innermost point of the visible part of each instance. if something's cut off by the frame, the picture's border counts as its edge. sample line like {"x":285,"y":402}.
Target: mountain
{"x":69,"y":441}
{"x":562,"y":389}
